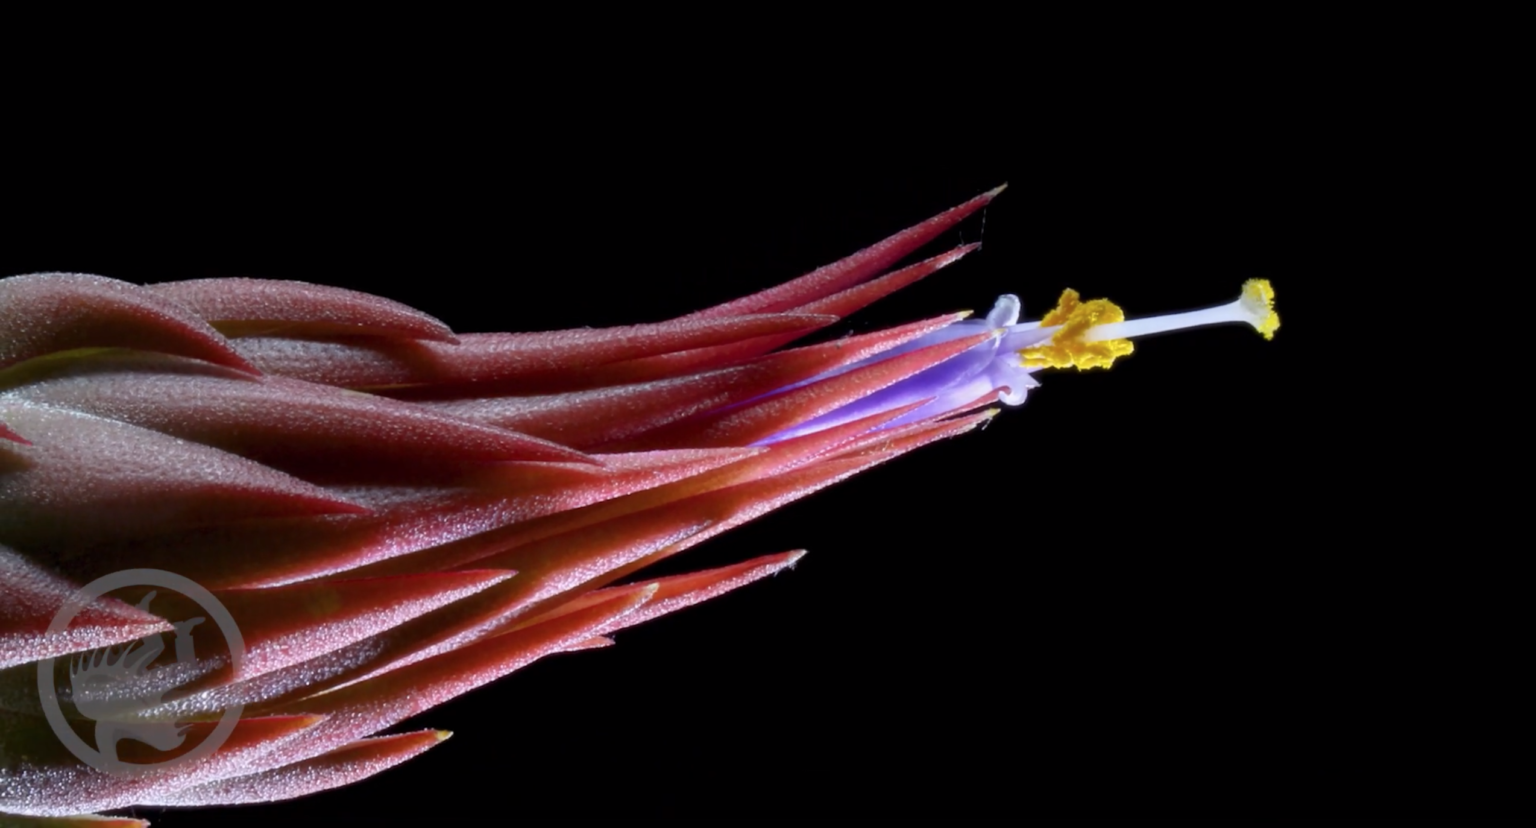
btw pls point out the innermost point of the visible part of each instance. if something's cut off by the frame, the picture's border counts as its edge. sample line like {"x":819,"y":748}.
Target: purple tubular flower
{"x":981,"y":375}
{"x":1076,"y":334}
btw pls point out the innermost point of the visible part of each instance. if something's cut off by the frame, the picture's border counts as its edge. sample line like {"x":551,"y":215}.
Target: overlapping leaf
{"x":479,"y":508}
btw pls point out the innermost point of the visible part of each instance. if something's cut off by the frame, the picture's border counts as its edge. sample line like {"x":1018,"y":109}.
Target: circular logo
{"x":110,"y":686}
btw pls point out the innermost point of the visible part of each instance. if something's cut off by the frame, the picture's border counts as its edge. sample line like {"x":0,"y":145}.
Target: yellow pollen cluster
{"x":1260,"y":295}
{"x":1067,"y":348}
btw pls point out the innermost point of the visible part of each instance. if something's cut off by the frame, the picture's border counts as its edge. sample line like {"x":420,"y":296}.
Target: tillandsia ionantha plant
{"x":391,"y":513}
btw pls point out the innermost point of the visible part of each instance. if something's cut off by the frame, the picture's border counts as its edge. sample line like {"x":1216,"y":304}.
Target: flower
{"x":484,"y":502}
{"x":1076,"y":334}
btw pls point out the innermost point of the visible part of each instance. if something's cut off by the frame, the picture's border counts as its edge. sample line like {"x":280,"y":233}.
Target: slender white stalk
{"x":1254,"y":307}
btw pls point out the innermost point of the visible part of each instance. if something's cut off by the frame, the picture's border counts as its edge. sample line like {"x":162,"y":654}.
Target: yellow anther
{"x":1259,"y":299}
{"x":1067,"y":348}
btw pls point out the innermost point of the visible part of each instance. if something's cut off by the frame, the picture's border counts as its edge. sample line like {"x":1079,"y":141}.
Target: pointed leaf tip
{"x":79,"y":821}
{"x":42,"y":313}
{"x":95,"y":481}
{"x":853,"y":299}
{"x":7,"y":434}
{"x":345,"y":765}
{"x":30,"y":595}
{"x":675,"y":592}
{"x":594,"y":643}
{"x":270,"y":307}
{"x":851,"y":270}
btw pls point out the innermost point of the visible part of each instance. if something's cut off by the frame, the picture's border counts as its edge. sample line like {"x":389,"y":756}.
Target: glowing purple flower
{"x":1076,"y":334}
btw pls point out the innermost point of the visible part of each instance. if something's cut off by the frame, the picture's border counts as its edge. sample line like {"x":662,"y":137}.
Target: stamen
{"x":1070,"y":346}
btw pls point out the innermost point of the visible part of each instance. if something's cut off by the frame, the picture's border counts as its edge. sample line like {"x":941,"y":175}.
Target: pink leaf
{"x":82,"y":821}
{"x":294,"y":425}
{"x":369,"y":706}
{"x":288,"y":625}
{"x":48,"y":312}
{"x":680,"y":591}
{"x":262,"y":307}
{"x":30,"y":596}
{"x":51,"y":781}
{"x":87,"y":480}
{"x":483,"y":360}
{"x":343,"y":766}
{"x":829,"y":279}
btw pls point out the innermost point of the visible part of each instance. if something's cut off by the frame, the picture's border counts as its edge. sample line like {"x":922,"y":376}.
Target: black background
{"x":1138,"y":594}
